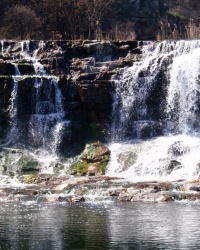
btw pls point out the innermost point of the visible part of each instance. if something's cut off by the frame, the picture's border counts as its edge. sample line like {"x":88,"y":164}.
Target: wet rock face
{"x":6,"y":85}
{"x":85,"y":70}
{"x":173,"y":165}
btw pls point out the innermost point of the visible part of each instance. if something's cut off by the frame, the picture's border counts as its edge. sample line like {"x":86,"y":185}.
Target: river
{"x":103,"y":226}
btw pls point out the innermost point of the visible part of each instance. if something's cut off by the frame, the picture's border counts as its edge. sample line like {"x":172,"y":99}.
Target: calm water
{"x":100,"y":226}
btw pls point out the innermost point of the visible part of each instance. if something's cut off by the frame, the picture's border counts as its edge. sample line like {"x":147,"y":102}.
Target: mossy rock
{"x":95,"y":152}
{"x":27,"y":163}
{"x":93,"y":160}
{"x":58,"y":167}
{"x":177,"y":14}
{"x":30,"y":179}
{"x":80,"y":168}
{"x":83,"y":168}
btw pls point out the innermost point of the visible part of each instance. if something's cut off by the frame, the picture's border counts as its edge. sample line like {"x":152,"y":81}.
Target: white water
{"x":153,"y":157}
{"x":41,"y":132}
{"x":150,"y":158}
{"x":49,"y":113}
{"x":38,"y":67}
{"x":183,"y":92}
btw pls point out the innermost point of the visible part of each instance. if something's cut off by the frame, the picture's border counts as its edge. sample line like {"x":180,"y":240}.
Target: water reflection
{"x":100,"y":226}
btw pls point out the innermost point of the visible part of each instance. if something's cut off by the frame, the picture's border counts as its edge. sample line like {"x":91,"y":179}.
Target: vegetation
{"x":20,"y":21}
{"x":92,"y":161}
{"x":99,"y":19}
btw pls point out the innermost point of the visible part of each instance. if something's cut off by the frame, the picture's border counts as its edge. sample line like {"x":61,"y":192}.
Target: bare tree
{"x":61,"y":18}
{"x":95,"y":11}
{"x":21,"y":22}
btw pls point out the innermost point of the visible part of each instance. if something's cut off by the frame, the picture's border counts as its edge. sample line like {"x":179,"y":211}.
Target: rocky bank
{"x":51,"y":188}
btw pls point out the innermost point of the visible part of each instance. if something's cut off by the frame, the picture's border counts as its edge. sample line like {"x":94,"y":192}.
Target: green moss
{"x":92,"y":161}
{"x":90,"y":151}
{"x":27,"y":164}
{"x":80,"y":168}
{"x":31,"y":179}
{"x":6,"y":56}
{"x":102,"y":167}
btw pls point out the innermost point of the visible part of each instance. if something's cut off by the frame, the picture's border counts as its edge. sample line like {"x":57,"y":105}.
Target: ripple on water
{"x":100,"y":226}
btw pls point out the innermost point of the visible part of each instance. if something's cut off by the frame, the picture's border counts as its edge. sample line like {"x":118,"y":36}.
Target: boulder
{"x":164,"y":198}
{"x":117,"y":192}
{"x":177,"y":149}
{"x":27,"y":163}
{"x":127,"y":159}
{"x":173,"y":165}
{"x":58,"y":168}
{"x":93,"y":160}
{"x":17,"y":161}
{"x":94,"y":152}
{"x":76,"y":199}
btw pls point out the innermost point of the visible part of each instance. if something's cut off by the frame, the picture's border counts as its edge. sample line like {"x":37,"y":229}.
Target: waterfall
{"x":45,"y":122}
{"x":156,"y":113}
{"x":25,"y":54}
{"x":160,"y":90}
{"x":37,"y":116}
{"x":156,"y":110}
{"x":183,"y":92}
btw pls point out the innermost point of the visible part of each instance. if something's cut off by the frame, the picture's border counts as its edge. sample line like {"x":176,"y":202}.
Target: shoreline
{"x":51,"y":188}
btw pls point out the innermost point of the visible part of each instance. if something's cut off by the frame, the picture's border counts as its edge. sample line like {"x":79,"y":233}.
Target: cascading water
{"x":156,"y":114}
{"x":36,"y":109}
{"x":47,"y":114}
{"x":155,"y":129}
